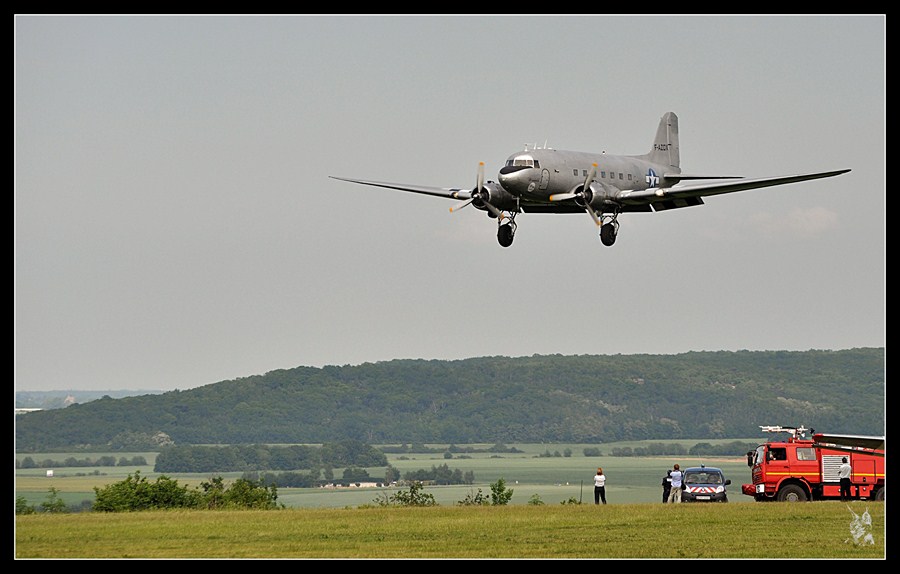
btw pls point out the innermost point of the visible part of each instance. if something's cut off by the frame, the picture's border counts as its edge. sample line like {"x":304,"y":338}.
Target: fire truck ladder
{"x":795,"y":432}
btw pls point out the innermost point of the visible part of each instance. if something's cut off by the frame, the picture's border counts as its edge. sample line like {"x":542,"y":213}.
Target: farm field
{"x":553,"y":479}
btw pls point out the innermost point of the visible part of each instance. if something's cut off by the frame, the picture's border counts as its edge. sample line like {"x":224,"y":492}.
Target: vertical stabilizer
{"x":665,"y":145}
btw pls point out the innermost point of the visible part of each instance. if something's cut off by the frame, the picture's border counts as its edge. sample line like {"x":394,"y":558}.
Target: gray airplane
{"x":544,"y":180}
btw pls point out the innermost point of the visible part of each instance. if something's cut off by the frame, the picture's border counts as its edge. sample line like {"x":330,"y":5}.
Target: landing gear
{"x":609,"y":229}
{"x":506,"y":232}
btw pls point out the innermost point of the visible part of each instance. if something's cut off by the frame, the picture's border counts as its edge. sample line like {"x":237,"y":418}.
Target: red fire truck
{"x":805,"y":466}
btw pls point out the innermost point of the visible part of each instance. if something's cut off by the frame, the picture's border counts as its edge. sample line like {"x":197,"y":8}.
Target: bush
{"x":474,"y":499}
{"x":22,"y":506}
{"x":414,"y":497}
{"x":136,"y":493}
{"x":500,"y":495}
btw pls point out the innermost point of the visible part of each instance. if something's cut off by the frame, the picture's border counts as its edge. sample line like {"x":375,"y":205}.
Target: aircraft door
{"x":545,"y":179}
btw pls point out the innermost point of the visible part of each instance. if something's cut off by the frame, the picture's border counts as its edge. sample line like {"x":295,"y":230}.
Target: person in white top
{"x":844,"y":474}
{"x":675,"y":493}
{"x":599,"y":487}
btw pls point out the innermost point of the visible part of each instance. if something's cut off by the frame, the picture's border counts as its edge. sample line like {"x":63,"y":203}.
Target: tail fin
{"x":665,"y":145}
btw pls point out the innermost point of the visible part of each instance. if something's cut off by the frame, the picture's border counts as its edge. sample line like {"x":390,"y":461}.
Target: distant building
{"x":22,"y":411}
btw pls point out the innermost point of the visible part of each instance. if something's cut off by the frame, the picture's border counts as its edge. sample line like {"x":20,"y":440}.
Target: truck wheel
{"x":879,"y":496}
{"x":792,"y":493}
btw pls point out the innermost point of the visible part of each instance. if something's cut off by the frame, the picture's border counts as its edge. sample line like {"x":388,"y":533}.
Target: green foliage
{"x":535,"y":500}
{"x":474,"y":499}
{"x":136,"y":493}
{"x":585,"y":399}
{"x":54,"y":504}
{"x":500,"y":495}
{"x":413,"y":497}
{"x":243,"y":493}
{"x":22,"y":506}
{"x":570,"y":500}
{"x":356,"y":474}
{"x":391,"y":474}
{"x":187,"y":458}
{"x":440,"y":475}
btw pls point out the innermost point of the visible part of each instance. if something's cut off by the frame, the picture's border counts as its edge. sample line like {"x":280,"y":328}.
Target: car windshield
{"x":703,"y":478}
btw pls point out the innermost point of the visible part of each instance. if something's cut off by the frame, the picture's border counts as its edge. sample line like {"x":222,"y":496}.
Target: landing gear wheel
{"x":505,"y":234}
{"x":608,"y":234}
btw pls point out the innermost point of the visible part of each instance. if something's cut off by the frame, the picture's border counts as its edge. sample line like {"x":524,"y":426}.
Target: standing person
{"x":599,"y":487}
{"x":667,"y":485}
{"x":844,"y":474}
{"x":675,"y":494}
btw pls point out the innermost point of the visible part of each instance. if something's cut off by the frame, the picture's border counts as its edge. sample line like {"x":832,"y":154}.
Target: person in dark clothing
{"x":599,"y":487}
{"x":667,"y":485}
{"x":844,"y":475}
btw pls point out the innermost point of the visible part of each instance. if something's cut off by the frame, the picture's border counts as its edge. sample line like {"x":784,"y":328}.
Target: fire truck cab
{"x":802,"y":468}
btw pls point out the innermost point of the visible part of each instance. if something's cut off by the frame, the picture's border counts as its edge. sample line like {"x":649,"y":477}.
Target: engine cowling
{"x":493,"y":193}
{"x":598,"y":195}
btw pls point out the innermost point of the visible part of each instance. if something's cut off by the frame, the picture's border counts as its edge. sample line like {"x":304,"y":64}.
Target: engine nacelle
{"x":598,"y":195}
{"x":494,"y":193}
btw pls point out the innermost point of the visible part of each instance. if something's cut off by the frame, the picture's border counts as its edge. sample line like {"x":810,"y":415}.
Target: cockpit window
{"x":523,"y":160}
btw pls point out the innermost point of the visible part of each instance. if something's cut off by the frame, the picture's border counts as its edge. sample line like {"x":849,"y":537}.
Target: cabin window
{"x":804,"y":453}
{"x":575,"y":172}
{"x":602,"y":174}
{"x":629,"y":177}
{"x":777,"y":453}
{"x":621,"y":176}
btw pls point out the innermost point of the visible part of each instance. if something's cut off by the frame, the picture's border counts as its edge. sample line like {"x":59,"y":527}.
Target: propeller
{"x":478,"y":193}
{"x":572,"y":195}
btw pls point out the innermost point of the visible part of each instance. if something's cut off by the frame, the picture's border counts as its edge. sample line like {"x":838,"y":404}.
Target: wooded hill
{"x":552,"y":398}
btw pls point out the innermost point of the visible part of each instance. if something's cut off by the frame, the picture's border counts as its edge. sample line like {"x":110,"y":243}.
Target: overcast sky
{"x":175,"y":225}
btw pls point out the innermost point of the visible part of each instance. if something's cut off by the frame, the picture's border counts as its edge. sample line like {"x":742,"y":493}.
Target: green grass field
{"x":773,"y":530}
{"x":345,"y":523}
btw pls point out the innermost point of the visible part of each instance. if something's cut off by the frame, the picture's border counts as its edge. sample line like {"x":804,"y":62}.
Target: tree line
{"x":265,"y":457}
{"x":71,"y":461}
{"x":587,"y":399}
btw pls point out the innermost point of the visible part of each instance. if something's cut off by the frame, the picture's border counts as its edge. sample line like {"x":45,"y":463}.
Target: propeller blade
{"x":461,"y":205}
{"x":593,"y":215}
{"x":494,"y":210}
{"x":590,"y":176}
{"x":480,"y":181}
{"x":562,"y":196}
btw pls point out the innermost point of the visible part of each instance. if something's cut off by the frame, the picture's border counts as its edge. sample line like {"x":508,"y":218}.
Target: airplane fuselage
{"x":535,"y":175}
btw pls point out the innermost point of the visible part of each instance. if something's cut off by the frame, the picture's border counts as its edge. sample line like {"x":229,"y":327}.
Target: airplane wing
{"x":448,"y":192}
{"x":848,"y":441}
{"x":652,"y":195}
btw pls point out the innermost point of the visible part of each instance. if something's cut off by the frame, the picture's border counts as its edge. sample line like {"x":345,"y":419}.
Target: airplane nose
{"x":514,"y":178}
{"x":507,"y":169}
